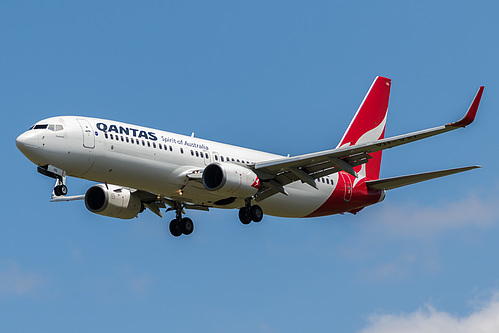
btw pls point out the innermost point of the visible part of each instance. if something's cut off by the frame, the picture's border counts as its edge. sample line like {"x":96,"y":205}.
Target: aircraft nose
{"x":27,"y":142}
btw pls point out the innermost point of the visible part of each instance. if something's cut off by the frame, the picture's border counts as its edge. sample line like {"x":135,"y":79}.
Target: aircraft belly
{"x":162,"y":177}
{"x":134,"y":172}
{"x":198,"y":195}
{"x":302,"y":200}
{"x":79,"y":161}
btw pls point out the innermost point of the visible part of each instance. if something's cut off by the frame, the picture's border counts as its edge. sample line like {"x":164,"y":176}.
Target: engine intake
{"x":230,"y":179}
{"x":112,"y":201}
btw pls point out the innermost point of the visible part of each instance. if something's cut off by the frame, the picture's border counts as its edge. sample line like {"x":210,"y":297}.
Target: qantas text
{"x":127,"y":131}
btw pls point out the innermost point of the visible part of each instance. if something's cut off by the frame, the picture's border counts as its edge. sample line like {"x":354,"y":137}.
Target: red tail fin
{"x":369,"y":123}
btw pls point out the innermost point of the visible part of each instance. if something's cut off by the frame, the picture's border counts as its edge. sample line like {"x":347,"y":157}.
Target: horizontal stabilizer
{"x":391,"y":183}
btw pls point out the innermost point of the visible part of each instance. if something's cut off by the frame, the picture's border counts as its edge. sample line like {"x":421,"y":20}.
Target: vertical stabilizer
{"x":368,"y":125}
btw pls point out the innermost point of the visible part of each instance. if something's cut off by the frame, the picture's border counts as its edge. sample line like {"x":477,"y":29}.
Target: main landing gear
{"x":250,"y":213}
{"x":181,"y":225}
{"x":184,"y":225}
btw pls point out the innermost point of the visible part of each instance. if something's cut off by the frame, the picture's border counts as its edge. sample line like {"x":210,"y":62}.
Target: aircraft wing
{"x":280,"y":172}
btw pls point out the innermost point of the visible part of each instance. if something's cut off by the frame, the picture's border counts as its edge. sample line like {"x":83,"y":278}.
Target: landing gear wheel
{"x":186,"y":226}
{"x":64,"y":190}
{"x":175,"y":228}
{"x":244,"y":215}
{"x":60,"y":190}
{"x":256,"y":213}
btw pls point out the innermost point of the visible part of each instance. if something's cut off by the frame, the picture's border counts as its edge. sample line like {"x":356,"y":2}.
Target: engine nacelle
{"x":112,"y":201}
{"x":230,"y":179}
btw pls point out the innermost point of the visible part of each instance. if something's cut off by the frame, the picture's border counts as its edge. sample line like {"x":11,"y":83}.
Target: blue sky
{"x":284,"y":77}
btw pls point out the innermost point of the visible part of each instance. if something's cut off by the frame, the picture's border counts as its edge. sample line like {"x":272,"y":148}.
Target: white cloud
{"x":413,"y":220}
{"x":428,"y":320}
{"x":15,"y":281}
{"x":397,"y":241}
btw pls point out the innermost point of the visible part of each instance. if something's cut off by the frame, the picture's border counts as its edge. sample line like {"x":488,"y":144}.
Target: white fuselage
{"x":156,"y":161}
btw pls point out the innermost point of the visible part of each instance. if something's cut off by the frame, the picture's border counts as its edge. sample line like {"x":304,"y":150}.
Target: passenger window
{"x":160,"y":146}
{"x":148,"y":144}
{"x":127,"y":141}
{"x":111,"y":136}
{"x":122,"y":139}
{"x":216,"y":158}
{"x":105,"y":135}
{"x":192,"y":152}
{"x":143,"y":143}
{"x":131,"y":140}
{"x":206,"y":155}
{"x":181,"y":150}
{"x":171,"y":149}
{"x":222,"y":158}
{"x":154,"y":144}
{"x":197,"y":154}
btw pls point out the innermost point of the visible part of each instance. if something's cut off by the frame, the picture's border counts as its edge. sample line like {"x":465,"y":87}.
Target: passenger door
{"x":88,"y":133}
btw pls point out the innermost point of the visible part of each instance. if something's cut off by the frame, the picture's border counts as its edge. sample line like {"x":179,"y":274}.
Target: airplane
{"x":140,"y":168}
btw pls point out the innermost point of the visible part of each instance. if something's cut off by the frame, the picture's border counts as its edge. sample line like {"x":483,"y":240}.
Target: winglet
{"x":471,"y":113}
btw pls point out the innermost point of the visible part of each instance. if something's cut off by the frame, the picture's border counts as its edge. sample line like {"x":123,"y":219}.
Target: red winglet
{"x":471,"y":113}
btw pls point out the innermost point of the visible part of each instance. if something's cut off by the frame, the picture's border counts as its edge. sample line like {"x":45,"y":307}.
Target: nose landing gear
{"x":60,"y":188}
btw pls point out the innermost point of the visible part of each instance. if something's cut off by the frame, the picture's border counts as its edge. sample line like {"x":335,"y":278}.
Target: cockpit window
{"x":49,"y":127}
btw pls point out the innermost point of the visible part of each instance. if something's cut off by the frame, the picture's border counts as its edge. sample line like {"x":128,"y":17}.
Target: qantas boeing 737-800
{"x":140,"y":168}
